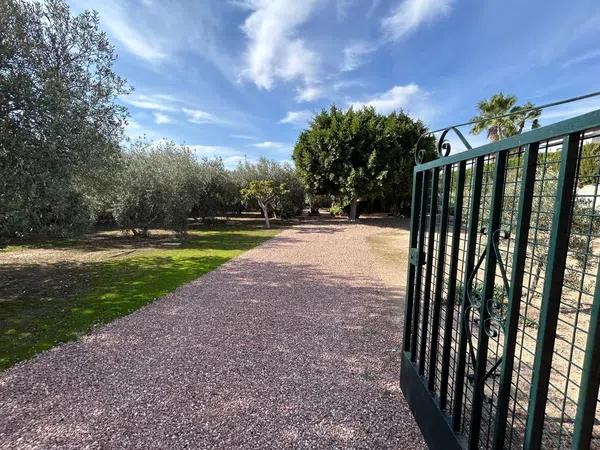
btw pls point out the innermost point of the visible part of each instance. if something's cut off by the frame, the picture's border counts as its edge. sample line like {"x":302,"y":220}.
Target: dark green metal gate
{"x":502,"y":320}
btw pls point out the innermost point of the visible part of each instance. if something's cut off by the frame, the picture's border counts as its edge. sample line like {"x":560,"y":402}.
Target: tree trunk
{"x":266,"y":214}
{"x":353,"y":209}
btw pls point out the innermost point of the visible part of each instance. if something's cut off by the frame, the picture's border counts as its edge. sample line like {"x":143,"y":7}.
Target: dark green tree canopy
{"x":354,"y":153}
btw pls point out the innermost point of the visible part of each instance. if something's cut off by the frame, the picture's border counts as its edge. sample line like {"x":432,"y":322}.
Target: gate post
{"x":414,"y":232}
{"x":419,"y":269}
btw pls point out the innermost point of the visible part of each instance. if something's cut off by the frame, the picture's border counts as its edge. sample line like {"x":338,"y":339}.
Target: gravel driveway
{"x":295,"y":344}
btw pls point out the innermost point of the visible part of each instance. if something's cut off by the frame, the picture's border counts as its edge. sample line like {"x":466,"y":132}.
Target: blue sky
{"x":240,"y":78}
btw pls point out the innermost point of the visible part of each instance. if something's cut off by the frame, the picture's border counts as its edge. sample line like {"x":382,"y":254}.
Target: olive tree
{"x":158,"y":187}
{"x":60,"y":125}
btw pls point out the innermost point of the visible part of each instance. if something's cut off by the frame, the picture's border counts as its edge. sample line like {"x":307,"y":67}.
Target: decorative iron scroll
{"x":496,"y":306}
{"x":443,"y":147}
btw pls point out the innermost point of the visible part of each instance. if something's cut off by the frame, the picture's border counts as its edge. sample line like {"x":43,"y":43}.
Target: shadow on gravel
{"x":255,"y":355}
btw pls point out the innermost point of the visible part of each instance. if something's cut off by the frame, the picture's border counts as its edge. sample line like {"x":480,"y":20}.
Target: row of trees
{"x":63,"y":164}
{"x":162,"y":185}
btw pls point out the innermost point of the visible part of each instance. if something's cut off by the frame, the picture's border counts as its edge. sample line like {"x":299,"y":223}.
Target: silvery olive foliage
{"x":60,"y":126}
{"x":158,"y":187}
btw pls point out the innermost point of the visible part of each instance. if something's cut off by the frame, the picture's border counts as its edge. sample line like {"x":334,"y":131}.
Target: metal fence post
{"x":429,"y":267}
{"x":439,"y":278}
{"x":557,"y":256}
{"x":488,"y":294}
{"x":450,"y":301}
{"x":469,"y":264}
{"x":419,"y":268}
{"x":590,"y":378}
{"x":514,"y":294}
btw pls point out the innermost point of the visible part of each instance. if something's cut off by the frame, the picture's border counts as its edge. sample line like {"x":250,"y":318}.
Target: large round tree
{"x":354,"y":153}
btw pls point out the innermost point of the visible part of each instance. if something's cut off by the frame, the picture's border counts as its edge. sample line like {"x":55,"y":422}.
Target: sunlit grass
{"x":107,"y":290}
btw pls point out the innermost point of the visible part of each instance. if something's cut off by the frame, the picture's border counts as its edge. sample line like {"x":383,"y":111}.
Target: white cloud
{"x":201,"y":117}
{"x":309,"y":93}
{"x":269,"y":144}
{"x":354,"y":55}
{"x":155,"y":102}
{"x":408,"y":15}
{"x":274,"y":51}
{"x":410,"y":98}
{"x":297,"y":117}
{"x":160,"y":118}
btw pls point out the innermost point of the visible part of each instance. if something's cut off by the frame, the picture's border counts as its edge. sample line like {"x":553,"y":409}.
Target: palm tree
{"x":501,"y":127}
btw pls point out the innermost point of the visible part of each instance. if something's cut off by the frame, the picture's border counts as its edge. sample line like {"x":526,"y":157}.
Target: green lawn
{"x":67,"y":299}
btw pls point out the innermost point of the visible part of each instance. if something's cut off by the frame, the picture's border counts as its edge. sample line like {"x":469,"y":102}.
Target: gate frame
{"x":441,"y":428}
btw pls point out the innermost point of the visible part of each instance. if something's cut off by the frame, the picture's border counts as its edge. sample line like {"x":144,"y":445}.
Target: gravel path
{"x":293,"y":344}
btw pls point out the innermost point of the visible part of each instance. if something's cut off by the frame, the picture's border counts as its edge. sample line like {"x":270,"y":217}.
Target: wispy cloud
{"x":270,"y":144}
{"x":154,"y":102}
{"x":588,"y":56}
{"x":355,"y":53}
{"x":569,"y":110}
{"x":200,"y":117}
{"x":297,"y":117}
{"x":408,"y":15}
{"x":309,"y":93}
{"x":275,"y":51}
{"x":246,"y":137}
{"x":160,"y":118}
{"x":409,"y":98}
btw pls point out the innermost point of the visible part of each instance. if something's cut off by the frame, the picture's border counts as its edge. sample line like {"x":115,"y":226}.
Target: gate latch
{"x":414,"y":257}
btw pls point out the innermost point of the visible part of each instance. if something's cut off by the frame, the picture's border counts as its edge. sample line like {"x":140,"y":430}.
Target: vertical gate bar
{"x":429,"y":267}
{"x":414,"y":231}
{"x":469,"y":264}
{"x":439,"y":278}
{"x":419,"y":268}
{"x":590,"y":378}
{"x":514,"y":294}
{"x":554,"y":275}
{"x":489,"y":281}
{"x":449,"y":319}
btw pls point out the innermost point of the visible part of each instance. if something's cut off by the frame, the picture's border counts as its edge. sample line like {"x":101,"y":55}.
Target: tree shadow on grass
{"x":42,"y":305}
{"x":258,"y":354}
